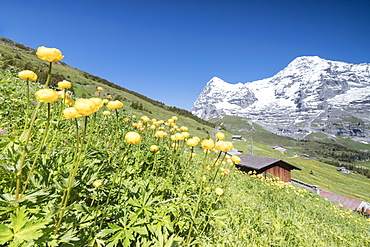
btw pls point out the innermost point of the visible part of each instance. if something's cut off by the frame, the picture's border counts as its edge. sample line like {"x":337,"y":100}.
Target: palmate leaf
{"x":6,"y":234}
{"x":22,"y":228}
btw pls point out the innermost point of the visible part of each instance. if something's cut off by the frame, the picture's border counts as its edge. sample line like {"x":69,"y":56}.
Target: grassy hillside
{"x":111,"y":179}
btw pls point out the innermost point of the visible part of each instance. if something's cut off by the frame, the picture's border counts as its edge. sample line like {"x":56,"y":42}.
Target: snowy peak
{"x":304,"y":91}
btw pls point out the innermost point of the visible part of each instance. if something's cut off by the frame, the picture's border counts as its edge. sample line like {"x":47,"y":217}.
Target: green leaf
{"x":6,"y":234}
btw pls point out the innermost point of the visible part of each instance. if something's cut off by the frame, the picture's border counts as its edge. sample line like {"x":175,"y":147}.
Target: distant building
{"x":263,"y":165}
{"x":281,"y":149}
{"x":342,"y":169}
{"x":236,"y":137}
{"x":304,"y":156}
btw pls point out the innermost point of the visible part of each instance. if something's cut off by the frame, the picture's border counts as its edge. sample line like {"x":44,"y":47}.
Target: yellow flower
{"x":98,"y":183}
{"x":132,"y":137}
{"x":145,"y":119}
{"x":70,"y":112}
{"x":68,"y":101}
{"x":64,"y":84}
{"x":179,"y":136}
{"x":62,"y":94}
{"x":105,"y":101}
{"x":106,"y":113}
{"x":27,"y":75}
{"x":85,"y":107}
{"x":49,"y":54}
{"x":185,"y":134}
{"x":98,"y":102}
{"x":112,"y":105}
{"x":183,"y":128}
{"x":154,"y":148}
{"x":236,"y":159}
{"x":226,"y":171}
{"x":220,"y":136}
{"x":208,"y":144}
{"x":160,"y":133}
{"x":47,"y":95}
{"x":192,"y":142}
{"x":175,"y":118}
{"x":219,"y":191}
{"x":224,"y":146}
{"x":100,"y":89}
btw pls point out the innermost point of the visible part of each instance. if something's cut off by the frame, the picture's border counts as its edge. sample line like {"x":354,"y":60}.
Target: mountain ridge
{"x":310,"y":94}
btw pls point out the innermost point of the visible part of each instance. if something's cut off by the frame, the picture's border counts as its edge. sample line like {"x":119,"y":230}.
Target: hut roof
{"x":259,"y":162}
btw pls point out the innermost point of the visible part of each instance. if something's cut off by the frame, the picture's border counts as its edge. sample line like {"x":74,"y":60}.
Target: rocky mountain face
{"x":311,"y":95}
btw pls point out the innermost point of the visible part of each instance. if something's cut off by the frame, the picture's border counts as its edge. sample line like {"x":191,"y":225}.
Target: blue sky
{"x":168,"y":50}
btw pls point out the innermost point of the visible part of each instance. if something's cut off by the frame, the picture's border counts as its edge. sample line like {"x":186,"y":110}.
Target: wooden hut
{"x":263,"y":165}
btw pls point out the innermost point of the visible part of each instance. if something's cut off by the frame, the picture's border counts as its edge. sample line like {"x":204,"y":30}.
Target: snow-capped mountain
{"x":310,"y":95}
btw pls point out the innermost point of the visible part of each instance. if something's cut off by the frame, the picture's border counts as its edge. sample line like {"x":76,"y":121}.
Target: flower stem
{"x":28,"y":103}
{"x":38,"y":151}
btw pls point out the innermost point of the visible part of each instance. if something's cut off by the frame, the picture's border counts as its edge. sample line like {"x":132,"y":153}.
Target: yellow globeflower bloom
{"x":224,"y":146}
{"x":183,"y":128}
{"x":85,"y":107}
{"x":153,"y":127}
{"x":220,"y":136}
{"x":185,"y":134}
{"x":106,"y":113}
{"x":175,"y":118}
{"x":113,"y":105}
{"x":62,"y":94}
{"x":170,"y":121}
{"x":98,"y":183}
{"x":192,"y":142}
{"x":70,"y":112}
{"x":159,"y":133}
{"x":105,"y":101}
{"x":100,"y":89}
{"x":179,"y":136}
{"x":236,"y":159}
{"x":49,"y":54}
{"x":226,"y":172}
{"x":64,"y":84}
{"x":208,"y":144}
{"x":47,"y":95}
{"x":154,"y":148}
{"x":133,"y":137}
{"x":109,"y":96}
{"x":98,"y":102}
{"x":219,"y":191}
{"x":27,"y":75}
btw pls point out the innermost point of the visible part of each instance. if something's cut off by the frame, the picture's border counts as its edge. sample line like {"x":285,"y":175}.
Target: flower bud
{"x":133,"y":137}
{"x":98,"y":183}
